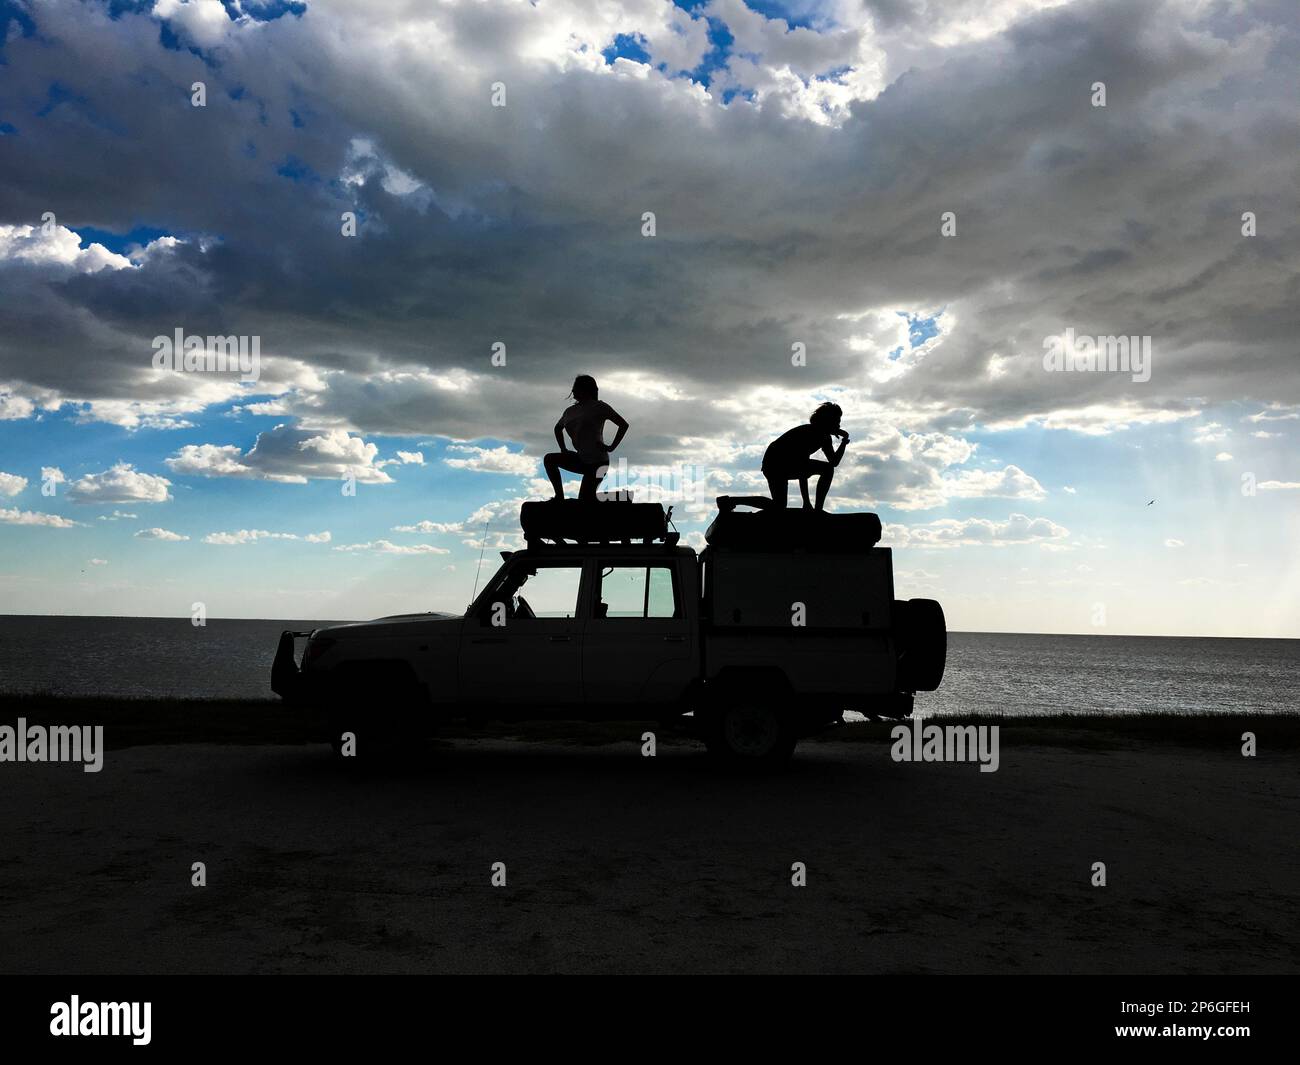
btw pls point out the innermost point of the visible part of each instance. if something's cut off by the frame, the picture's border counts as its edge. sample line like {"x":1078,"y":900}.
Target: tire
{"x":750,"y":733}
{"x":921,"y":636}
{"x":381,"y":707}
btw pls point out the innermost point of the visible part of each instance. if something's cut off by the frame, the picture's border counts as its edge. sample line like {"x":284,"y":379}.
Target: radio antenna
{"x":479,"y":569}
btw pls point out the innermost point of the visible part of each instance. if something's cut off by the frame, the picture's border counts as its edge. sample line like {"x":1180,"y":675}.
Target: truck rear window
{"x":637,"y":592}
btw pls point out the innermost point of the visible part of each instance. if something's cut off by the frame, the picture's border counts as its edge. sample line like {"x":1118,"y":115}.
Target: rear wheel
{"x":749,"y":732}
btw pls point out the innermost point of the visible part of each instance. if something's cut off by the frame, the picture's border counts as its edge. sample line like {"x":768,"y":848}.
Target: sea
{"x":987,"y":672}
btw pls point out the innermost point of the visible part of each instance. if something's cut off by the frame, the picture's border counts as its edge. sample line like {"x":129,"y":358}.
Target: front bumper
{"x":287,"y":680}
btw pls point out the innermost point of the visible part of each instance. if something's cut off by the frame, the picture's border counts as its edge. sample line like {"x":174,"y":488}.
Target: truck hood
{"x":395,"y":625}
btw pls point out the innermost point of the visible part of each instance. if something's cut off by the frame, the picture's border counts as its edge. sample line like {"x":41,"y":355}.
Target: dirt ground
{"x":619,"y":863}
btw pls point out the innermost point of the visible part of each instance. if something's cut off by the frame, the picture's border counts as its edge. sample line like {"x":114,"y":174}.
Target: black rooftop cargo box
{"x":793,"y":529}
{"x":605,"y":521}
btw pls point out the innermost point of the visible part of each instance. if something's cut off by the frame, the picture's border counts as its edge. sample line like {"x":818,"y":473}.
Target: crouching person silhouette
{"x":585,"y":423}
{"x":788,"y":458}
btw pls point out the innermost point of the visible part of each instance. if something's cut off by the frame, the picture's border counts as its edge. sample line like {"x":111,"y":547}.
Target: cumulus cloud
{"x":1098,"y":419}
{"x":427,"y":526}
{"x":58,"y":247}
{"x":387,"y":547}
{"x":1010,"y":482}
{"x":121,"y":483}
{"x":30,"y":517}
{"x":1171,"y":542}
{"x":286,"y":454}
{"x":921,"y":471}
{"x":160,"y":534}
{"x":404,"y":458}
{"x":491,"y":460}
{"x":11,"y":484}
{"x":204,"y":22}
{"x":951,"y":532}
{"x":248,"y":536}
{"x":1275,"y":412}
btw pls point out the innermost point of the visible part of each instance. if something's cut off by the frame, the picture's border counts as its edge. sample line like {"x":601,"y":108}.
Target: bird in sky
{"x":1152,"y":501}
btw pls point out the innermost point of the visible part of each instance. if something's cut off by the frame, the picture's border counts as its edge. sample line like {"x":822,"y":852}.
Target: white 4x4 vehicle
{"x":760,"y":643}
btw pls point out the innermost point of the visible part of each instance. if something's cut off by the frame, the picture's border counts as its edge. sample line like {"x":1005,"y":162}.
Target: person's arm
{"x":803,"y":490}
{"x":559,"y":436}
{"x":835,"y":456}
{"x":618,"y":420}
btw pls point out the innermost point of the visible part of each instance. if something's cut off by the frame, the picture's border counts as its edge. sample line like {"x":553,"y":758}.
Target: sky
{"x":432,"y":216}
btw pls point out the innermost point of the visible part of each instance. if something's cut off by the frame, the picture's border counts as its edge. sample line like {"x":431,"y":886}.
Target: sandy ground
{"x":617,"y":863}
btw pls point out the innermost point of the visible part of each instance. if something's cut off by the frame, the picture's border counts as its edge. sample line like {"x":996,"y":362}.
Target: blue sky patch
{"x":715,"y":59}
{"x":772,"y":10}
{"x":264,"y":10}
{"x":295,"y":169}
{"x":119,"y":242}
{"x":627,"y":46}
{"x":11,"y":13}
{"x":921,"y":328}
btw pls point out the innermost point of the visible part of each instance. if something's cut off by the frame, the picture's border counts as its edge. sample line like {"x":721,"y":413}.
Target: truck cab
{"x":605,"y":631}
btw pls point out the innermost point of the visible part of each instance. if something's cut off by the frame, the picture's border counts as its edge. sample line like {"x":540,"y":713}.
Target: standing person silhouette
{"x":585,"y":423}
{"x":788,"y":459}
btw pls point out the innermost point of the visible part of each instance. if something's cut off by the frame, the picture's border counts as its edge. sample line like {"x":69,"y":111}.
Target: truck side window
{"x":551,"y":592}
{"x":638,"y":592}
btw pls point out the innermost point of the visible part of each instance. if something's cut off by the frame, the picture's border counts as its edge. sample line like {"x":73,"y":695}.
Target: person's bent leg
{"x":562,"y":460}
{"x":779,"y":486}
{"x":591,"y":478}
{"x":824,"y":473}
{"x":552,"y":465}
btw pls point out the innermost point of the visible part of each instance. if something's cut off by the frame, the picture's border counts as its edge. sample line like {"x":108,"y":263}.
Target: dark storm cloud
{"x":522,"y":224}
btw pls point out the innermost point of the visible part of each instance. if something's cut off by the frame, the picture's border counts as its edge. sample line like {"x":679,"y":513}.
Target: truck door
{"x":639,"y":646}
{"x":523,"y":648}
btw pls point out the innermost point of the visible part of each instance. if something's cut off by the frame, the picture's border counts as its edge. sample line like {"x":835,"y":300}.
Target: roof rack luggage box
{"x":787,"y":529}
{"x":602,"y":522}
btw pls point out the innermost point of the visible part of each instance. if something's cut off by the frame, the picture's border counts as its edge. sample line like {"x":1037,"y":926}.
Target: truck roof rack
{"x":557,"y":523}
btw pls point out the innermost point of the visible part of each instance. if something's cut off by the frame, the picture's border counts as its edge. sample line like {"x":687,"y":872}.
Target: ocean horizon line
{"x":951,"y":631}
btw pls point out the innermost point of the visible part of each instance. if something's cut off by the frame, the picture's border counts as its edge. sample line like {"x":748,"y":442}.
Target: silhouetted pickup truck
{"x":786,"y":620}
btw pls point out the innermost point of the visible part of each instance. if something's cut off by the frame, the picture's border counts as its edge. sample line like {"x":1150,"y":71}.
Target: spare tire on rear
{"x":921,"y":638}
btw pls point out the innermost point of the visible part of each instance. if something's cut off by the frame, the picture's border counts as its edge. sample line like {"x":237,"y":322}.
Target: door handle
{"x":674,"y":639}
{"x":558,"y":639}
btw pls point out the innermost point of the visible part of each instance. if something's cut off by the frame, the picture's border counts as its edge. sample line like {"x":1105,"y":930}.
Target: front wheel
{"x":382,"y":708}
{"x":749,"y":733}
